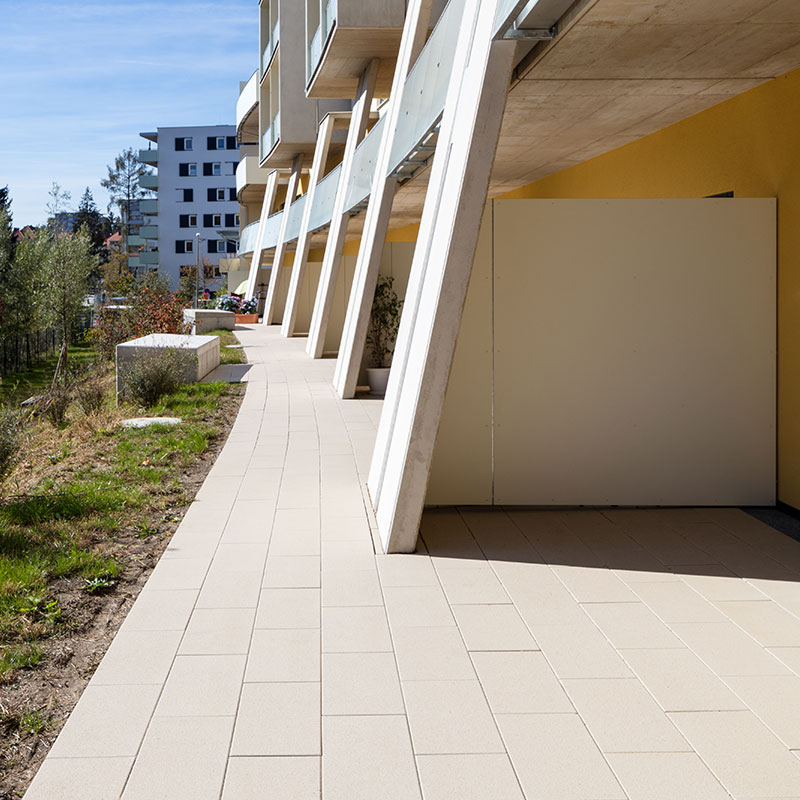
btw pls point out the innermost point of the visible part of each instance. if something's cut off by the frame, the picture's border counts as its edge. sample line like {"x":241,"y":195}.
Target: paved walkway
{"x":539,"y":655}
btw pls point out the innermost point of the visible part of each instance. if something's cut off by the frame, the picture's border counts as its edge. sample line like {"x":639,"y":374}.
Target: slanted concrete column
{"x":304,"y":240}
{"x":376,"y":221}
{"x":439,"y":277}
{"x":266,"y":210}
{"x":333,"y":248}
{"x":280,"y":250}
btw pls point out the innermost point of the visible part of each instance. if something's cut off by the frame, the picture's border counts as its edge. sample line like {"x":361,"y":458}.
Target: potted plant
{"x":382,"y":333}
{"x":246,"y":311}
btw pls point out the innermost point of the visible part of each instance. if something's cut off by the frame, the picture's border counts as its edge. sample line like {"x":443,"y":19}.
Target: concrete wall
{"x":615,"y":353}
{"x":748,"y":145}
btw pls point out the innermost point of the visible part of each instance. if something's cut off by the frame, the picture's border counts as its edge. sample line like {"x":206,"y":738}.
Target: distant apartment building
{"x":195,"y":190}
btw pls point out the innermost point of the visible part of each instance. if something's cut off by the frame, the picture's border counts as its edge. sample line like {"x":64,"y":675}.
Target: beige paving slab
{"x":677,"y":602}
{"x":766,"y":622}
{"x":289,"y":542}
{"x":80,"y":779}
{"x":471,"y":586}
{"x":355,"y":629}
{"x":631,"y":625}
{"x":240,"y":557}
{"x":622,"y":717}
{"x":218,"y":631}
{"x":272,"y":778}
{"x":775,"y":700}
{"x":430,"y":654}
{"x":399,"y":569}
{"x":747,"y":758}
{"x":224,"y":589}
{"x":288,"y":608}
{"x":719,"y":583}
{"x":680,"y":681}
{"x":493,"y":627}
{"x":352,"y":554}
{"x":450,"y":717}
{"x":291,"y":655}
{"x":594,"y":584}
{"x":360,"y":683}
{"x":181,"y":757}
{"x":556,"y":759}
{"x":351,"y":587}
{"x":138,"y":657}
{"x":370,"y":757}
{"x":88,"y":733}
{"x":665,"y":776}
{"x":292,"y":572}
{"x":468,"y":777}
{"x":417,"y":607}
{"x":161,"y":610}
{"x":278,"y":719}
{"x":520,"y":683}
{"x":179,"y":573}
{"x":204,"y":686}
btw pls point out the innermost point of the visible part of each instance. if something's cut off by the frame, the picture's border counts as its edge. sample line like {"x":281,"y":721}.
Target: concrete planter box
{"x":246,"y":319}
{"x":204,"y":320}
{"x":203,"y":350}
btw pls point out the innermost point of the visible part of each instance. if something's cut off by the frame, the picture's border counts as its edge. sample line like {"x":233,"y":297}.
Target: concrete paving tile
{"x":680,"y":681}
{"x":787,"y":655}
{"x":718,"y":583}
{"x":179,"y":573}
{"x":355,"y":629}
{"x":91,"y":731}
{"x":365,"y":758}
{"x":622,"y":717}
{"x":288,"y":608}
{"x":493,"y":627}
{"x":727,"y":650}
{"x":218,"y":631}
{"x":415,"y":569}
{"x":631,"y":625}
{"x":430,"y":654}
{"x":292,"y":572}
{"x":284,"y":656}
{"x":80,"y":779}
{"x":766,"y":622}
{"x":747,"y":759}
{"x":272,"y":778}
{"x":775,"y":700}
{"x":240,"y":557}
{"x":202,"y":686}
{"x":161,"y":610}
{"x":278,"y":719}
{"x":289,"y":542}
{"x":336,"y":527}
{"x":677,"y":602}
{"x":593,"y":584}
{"x":230,"y":590}
{"x":297,"y":519}
{"x":259,"y":483}
{"x":520,"y":683}
{"x":665,"y":776}
{"x":350,"y":587}
{"x":358,"y":554}
{"x":579,"y":651}
{"x":469,"y":586}
{"x":219,"y":491}
{"x":449,"y":717}
{"x":468,"y":777}
{"x":181,"y":757}
{"x":360,"y":683}
{"x":138,"y":657}
{"x":556,"y":759}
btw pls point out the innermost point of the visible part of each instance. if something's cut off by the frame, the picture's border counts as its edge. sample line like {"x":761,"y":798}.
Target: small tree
{"x":24,"y":285}
{"x":123,"y":186}
{"x":384,"y":322}
{"x":97,"y":225}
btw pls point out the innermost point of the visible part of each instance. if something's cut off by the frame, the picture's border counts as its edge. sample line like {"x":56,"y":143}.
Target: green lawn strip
{"x":228,"y":356}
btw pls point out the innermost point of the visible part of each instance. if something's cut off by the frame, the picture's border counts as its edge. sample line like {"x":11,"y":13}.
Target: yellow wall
{"x":749,"y":145}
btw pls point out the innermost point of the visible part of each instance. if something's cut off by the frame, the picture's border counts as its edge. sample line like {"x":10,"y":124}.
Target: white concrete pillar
{"x":280,"y":250}
{"x":304,"y":239}
{"x":439,"y":276}
{"x":338,"y":229}
{"x":266,"y":210}
{"x":379,"y":209}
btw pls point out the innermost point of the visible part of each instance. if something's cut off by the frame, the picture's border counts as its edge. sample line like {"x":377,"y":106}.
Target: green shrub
{"x":154,"y":373}
{"x":11,"y":432}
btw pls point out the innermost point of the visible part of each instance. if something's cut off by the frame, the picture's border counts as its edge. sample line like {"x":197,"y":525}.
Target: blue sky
{"x":80,"y":80}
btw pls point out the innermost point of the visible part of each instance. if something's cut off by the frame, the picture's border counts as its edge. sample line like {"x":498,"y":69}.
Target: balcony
{"x":134,"y":262}
{"x":250,"y":179}
{"x":148,"y":207}
{"x":271,"y":136}
{"x":149,"y":157}
{"x":270,"y":47}
{"x":148,"y":231}
{"x":135,"y":241}
{"x":148,"y":182}
{"x":247,"y":111}
{"x":349,"y":35}
{"x":149,"y":259}
{"x":247,"y":241}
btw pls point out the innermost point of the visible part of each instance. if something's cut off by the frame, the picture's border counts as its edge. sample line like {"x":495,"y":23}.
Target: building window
{"x":187,"y":143}
{"x":188,"y":220}
{"x":220,"y":194}
{"x":216,"y":168}
{"x":232,"y":194}
{"x":192,"y":220}
{"x":188,"y":195}
{"x":236,"y":220}
{"x":189,"y":245}
{"x":216,"y":220}
{"x":192,"y":170}
{"x":183,"y":143}
{"x":220,"y":142}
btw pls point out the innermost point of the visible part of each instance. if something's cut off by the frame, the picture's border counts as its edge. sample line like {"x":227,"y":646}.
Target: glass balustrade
{"x":269,"y":50}
{"x":247,"y":241}
{"x":272,"y":231}
{"x":364,"y":164}
{"x":318,"y":41}
{"x":505,"y":8}
{"x":425,"y":89}
{"x":295,"y":219}
{"x":324,"y":198}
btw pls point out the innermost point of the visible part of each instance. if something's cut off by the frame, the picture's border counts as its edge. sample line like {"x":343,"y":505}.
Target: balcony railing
{"x":149,"y":258}
{"x":295,"y":219}
{"x":149,"y":156}
{"x":247,"y":240}
{"x":320,"y":37}
{"x":272,"y":45}
{"x":364,"y":165}
{"x":248,"y":99}
{"x":149,"y":207}
{"x":148,"y":231}
{"x":271,"y":136}
{"x":324,"y":198}
{"x":148,"y":182}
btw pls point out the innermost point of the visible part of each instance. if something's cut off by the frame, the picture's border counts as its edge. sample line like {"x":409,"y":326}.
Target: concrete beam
{"x":332,"y":259}
{"x":439,"y":277}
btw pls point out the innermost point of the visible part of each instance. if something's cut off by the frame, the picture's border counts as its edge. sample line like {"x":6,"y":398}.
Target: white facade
{"x":196,"y":194}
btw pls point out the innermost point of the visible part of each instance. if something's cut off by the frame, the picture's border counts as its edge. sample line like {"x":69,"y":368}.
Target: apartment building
{"x":587,"y":208}
{"x":195,"y":194}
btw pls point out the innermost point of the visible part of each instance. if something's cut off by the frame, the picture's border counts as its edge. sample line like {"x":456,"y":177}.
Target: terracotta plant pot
{"x":246,"y":319}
